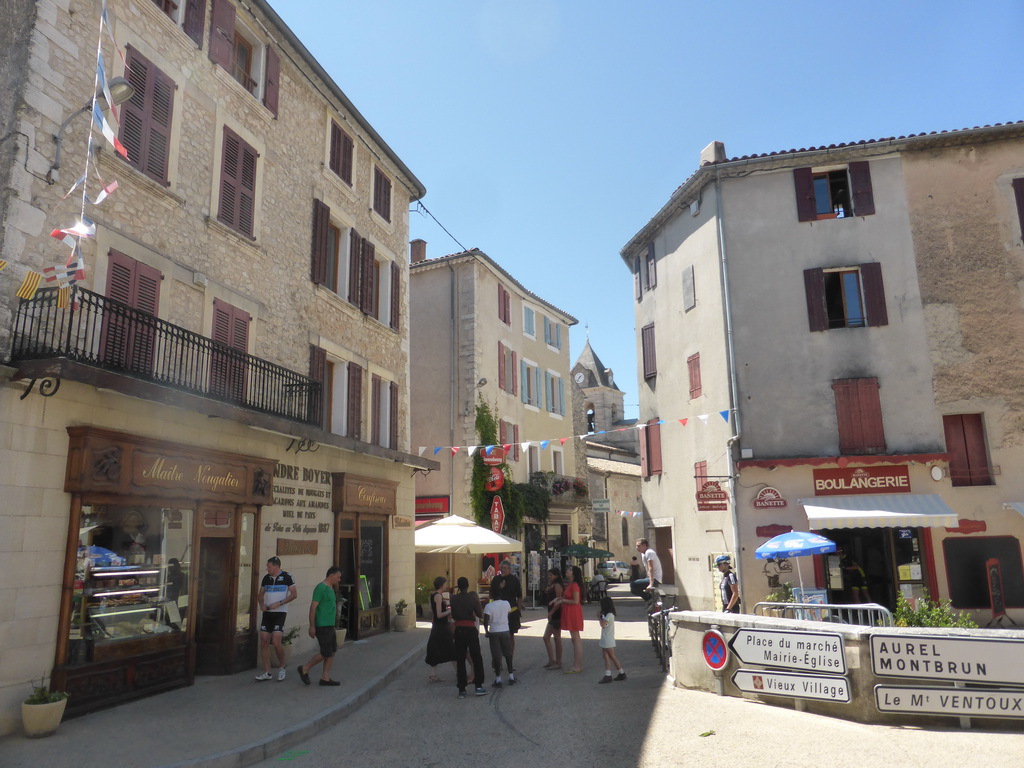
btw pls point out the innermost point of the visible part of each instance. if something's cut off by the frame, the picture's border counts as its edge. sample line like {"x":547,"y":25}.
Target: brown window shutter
{"x":814,"y":286}
{"x":654,"y":450}
{"x":860,"y":184}
{"x":859,"y":416}
{"x":693,"y":369}
{"x":652,"y":267}
{"x":700,"y":474}
{"x":1018,"y":193}
{"x":355,"y":401}
{"x":393,"y":420}
{"x":375,"y":397}
{"x":335,"y":158}
{"x":230,"y":170}
{"x":321,"y":222}
{"x":348,"y":149}
{"x":318,"y":411}
{"x":355,"y":267}
{"x":134,"y":113}
{"x":803,"y":181}
{"x":501,"y":365}
{"x":161,"y":112}
{"x":956,"y":447}
{"x":645,"y":470}
{"x":195,"y":20}
{"x":874,"y":294}
{"x":638,"y":289}
{"x":396,"y":295}
{"x":227,"y":372}
{"x":247,"y":191}
{"x":120,"y":277}
{"x":515,"y":441}
{"x":502,"y":434}
{"x":977,"y":455}
{"x":222,"y":34}
{"x":649,"y":357}
{"x":369,"y":286}
{"x":272,"y":90}
{"x":515,"y":387}
{"x":508,"y":308}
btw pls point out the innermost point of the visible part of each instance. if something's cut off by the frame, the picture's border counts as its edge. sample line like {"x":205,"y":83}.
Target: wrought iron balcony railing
{"x":104,"y":333}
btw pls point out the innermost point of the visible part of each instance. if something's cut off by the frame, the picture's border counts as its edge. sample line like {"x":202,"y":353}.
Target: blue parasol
{"x":795,"y":544}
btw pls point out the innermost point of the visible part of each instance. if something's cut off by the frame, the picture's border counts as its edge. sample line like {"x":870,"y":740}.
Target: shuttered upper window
{"x":504,"y":305}
{"x":146,"y":117}
{"x":652,"y":268}
{"x":256,"y":66}
{"x":126,"y":343}
{"x":833,"y":194}
{"x":381,"y":194}
{"x":237,"y":207}
{"x":228,"y":363}
{"x":647,"y":345}
{"x":342,"y":153}
{"x":1018,"y":194}
{"x":650,"y":449}
{"x":190,"y":15}
{"x":507,"y":364}
{"x":384,"y":412}
{"x":859,"y":416}
{"x":846,"y":297}
{"x":965,"y":442}
{"x":693,"y":369}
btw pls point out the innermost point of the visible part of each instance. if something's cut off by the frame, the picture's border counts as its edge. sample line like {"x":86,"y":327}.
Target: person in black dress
{"x":440,"y":645}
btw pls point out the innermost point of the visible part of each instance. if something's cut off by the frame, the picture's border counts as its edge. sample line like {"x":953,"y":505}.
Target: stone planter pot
{"x":42,"y":719}
{"x":403,"y":622}
{"x":340,"y":634}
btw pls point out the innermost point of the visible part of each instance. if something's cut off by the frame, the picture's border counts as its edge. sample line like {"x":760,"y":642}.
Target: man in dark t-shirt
{"x":276,"y":590}
{"x":513,"y":592}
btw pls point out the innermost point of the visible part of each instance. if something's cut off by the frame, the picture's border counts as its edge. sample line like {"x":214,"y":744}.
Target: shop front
{"x":159,"y":569}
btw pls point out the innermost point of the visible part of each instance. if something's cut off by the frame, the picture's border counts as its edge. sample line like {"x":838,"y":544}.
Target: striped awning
{"x":897,"y":510}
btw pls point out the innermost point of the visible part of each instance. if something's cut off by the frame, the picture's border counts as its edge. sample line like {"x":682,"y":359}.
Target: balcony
{"x":563,"y":489}
{"x":105,"y":340}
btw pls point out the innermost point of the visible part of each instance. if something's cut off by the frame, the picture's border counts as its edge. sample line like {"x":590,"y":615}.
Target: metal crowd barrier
{"x":861,"y":614}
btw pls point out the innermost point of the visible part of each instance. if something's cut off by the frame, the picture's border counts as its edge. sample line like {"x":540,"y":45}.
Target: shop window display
{"x":132,"y":580}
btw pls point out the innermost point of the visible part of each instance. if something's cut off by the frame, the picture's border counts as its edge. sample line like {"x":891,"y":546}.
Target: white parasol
{"x":456,"y":535}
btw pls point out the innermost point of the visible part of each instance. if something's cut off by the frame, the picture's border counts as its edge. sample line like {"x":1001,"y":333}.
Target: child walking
{"x":606,"y":614}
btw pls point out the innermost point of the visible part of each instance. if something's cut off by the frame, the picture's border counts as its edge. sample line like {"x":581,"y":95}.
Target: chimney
{"x":713,"y":153}
{"x":418,"y":250}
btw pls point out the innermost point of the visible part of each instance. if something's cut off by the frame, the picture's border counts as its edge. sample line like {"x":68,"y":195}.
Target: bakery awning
{"x":1015,"y":505}
{"x":897,"y":510}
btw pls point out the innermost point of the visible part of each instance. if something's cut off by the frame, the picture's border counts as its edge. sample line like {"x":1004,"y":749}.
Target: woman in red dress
{"x":572,"y":615}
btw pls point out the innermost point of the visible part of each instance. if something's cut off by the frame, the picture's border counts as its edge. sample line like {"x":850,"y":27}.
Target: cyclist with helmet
{"x":729,"y":586}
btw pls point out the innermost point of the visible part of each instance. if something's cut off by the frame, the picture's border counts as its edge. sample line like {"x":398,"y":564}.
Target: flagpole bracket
{"x":47,"y":387}
{"x":424,"y":470}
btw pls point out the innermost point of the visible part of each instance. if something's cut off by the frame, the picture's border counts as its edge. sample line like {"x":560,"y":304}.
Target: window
{"x":146,"y":117}
{"x":237,"y":184}
{"x":647,"y":344}
{"x":652,"y":268}
{"x":835,"y":193}
{"x":650,"y":449}
{"x":530,"y":383}
{"x":336,"y":401}
{"x":591,"y":428}
{"x":554,"y":392}
{"x":234,"y":47}
{"x":381,"y":194}
{"x":1018,"y":194}
{"x":847,"y":297}
{"x":552,"y":333}
{"x":354,"y":417}
{"x":859,"y":415}
{"x":228,"y":362}
{"x":125,"y":343}
{"x":532,"y":459}
{"x":504,"y":305}
{"x":968,"y":563}
{"x":191,"y":18}
{"x":965,"y":442}
{"x":384,"y":410}
{"x":529,"y":322}
{"x":320,"y":402}
{"x":508,"y":434}
{"x":557,"y":462}
{"x":638,"y":288}
{"x":700,"y":474}
{"x":689,"y":290}
{"x":624,"y":530}
{"x":374,"y":285}
{"x":342,"y":152}
{"x":693,"y":368}
{"x":326,"y":261}
{"x":506,"y":369}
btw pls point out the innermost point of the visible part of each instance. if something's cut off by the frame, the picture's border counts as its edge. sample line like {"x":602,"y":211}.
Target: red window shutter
{"x":228,"y":372}
{"x":874,"y":294}
{"x":222,"y":34}
{"x":803,"y":181}
{"x":318,"y":411}
{"x":649,"y":357}
{"x":396,"y":295}
{"x":700,"y":473}
{"x":355,"y":401}
{"x":860,"y":185}
{"x":977,"y":455}
{"x":393,"y":417}
{"x":501,"y":302}
{"x":1018,"y":193}
{"x":654,"y":449}
{"x":121,"y":277}
{"x":693,"y":369}
{"x":126,"y":340}
{"x":956,"y":447}
{"x":375,"y":398}
{"x":355,"y":267}
{"x":272,"y":90}
{"x":859,"y":416}
{"x":502,"y":434}
{"x":515,"y":388}
{"x":508,"y":308}
{"x":321,"y":222}
{"x":817,"y":312}
{"x":501,"y":365}
{"x":195,"y":20}
{"x":369,"y":286}
{"x":515,"y":440}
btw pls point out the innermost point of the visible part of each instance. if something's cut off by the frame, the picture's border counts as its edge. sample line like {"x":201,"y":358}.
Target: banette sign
{"x":856,"y":480}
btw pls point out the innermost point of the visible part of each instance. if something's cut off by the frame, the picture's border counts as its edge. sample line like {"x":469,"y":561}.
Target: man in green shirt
{"x":322,"y":618}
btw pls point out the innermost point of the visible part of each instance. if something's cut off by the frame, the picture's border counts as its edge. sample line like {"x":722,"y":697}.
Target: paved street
{"x":570,"y":720}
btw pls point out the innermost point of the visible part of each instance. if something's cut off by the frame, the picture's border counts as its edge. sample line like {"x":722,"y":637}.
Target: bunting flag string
{"x":543,"y":444}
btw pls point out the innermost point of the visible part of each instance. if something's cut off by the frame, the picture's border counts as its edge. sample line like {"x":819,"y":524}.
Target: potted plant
{"x":41,"y":712}
{"x":402,"y":620}
{"x":424,"y":590}
{"x":286,"y":639}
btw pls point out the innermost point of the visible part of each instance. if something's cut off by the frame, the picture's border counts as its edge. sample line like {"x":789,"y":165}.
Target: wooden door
{"x":215,"y":606}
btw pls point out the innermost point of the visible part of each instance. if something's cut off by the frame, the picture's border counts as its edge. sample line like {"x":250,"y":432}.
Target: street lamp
{"x":120,"y":91}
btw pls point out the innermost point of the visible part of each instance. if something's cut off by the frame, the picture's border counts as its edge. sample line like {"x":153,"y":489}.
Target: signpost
{"x":805,"y":651}
{"x":793,"y":685}
{"x":935,"y":657}
{"x":497,"y":515}
{"x":494,"y":457}
{"x":958,"y":702}
{"x":714,"y":649}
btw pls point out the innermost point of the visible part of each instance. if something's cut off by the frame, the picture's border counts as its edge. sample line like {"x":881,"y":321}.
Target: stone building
{"x":828,"y":341}
{"x":227,"y":382}
{"x":479,"y":335}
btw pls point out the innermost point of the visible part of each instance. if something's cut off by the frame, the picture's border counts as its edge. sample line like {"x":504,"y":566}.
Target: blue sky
{"x":548,"y":132}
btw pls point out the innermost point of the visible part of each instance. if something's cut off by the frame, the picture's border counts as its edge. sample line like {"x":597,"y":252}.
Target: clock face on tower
{"x":580,"y":377}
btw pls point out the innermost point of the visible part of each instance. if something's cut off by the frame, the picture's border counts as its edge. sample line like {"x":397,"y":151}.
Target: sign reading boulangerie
{"x":854,"y":480}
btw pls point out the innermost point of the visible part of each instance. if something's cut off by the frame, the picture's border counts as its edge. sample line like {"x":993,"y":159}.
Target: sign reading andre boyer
{"x":817,"y":651}
{"x":935,"y":657}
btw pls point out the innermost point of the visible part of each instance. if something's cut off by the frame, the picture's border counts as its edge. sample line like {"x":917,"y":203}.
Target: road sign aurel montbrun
{"x":807,"y":651}
{"x":935,"y":657}
{"x":792,"y":685}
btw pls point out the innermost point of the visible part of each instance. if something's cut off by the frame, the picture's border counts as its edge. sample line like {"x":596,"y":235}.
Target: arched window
{"x":625,"y":531}
{"x":591,"y":428}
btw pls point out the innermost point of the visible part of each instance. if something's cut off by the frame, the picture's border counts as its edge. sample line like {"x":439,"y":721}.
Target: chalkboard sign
{"x":364,"y":593}
{"x":995,"y":587}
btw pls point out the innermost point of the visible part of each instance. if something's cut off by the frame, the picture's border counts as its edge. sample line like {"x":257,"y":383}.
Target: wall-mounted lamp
{"x":481,"y":383}
{"x":120,"y":91}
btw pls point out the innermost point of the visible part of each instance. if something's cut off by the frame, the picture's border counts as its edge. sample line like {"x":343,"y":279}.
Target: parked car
{"x":614,"y":570}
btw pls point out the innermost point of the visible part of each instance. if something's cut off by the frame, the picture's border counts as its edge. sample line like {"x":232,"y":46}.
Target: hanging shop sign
{"x":493,"y":457}
{"x":806,"y":651}
{"x":769,"y":498}
{"x":497,"y":515}
{"x":364,"y":494}
{"x":793,"y":685}
{"x":958,"y":702}
{"x":935,"y":657}
{"x":849,"y":481}
{"x":495,"y":480}
{"x":711,"y":497}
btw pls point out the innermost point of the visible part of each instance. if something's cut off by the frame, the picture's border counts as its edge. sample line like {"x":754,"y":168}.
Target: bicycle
{"x":658,"y":608}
